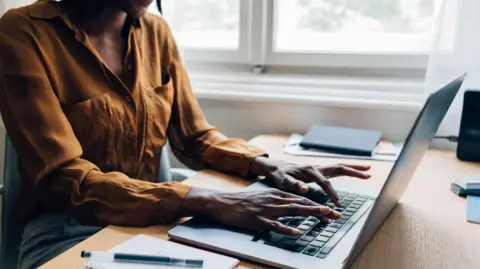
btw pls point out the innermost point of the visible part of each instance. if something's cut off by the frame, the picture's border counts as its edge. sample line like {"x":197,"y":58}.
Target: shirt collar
{"x":48,"y":9}
{"x":44,"y":9}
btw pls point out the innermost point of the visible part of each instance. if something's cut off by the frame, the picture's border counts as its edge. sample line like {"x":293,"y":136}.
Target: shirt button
{"x":128,"y":99}
{"x":131,"y":135}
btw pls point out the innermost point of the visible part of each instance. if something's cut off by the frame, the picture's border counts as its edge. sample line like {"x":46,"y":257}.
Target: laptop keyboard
{"x":319,"y":237}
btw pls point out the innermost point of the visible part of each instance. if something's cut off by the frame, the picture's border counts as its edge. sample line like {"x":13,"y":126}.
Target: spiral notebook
{"x":148,"y":245}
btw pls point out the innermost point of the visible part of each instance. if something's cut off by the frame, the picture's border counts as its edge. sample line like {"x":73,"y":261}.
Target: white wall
{"x":249,"y":119}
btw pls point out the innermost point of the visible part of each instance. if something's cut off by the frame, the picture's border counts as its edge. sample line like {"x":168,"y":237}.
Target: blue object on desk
{"x":473,"y":188}
{"x":473,"y":209}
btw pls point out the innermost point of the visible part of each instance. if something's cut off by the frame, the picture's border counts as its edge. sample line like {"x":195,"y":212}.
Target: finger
{"x":294,"y":185}
{"x":362,"y":167}
{"x":325,"y":185}
{"x":342,"y":170}
{"x":296,"y":200}
{"x":303,"y":210}
{"x":278,"y":227}
{"x":283,"y":194}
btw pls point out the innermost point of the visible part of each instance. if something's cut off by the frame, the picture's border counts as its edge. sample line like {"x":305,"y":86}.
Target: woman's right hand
{"x":253,"y":210}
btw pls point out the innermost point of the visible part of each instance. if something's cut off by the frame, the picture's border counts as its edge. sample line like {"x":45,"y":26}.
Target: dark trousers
{"x":49,"y":235}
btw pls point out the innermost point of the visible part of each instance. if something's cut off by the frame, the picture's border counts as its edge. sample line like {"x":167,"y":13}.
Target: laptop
{"x":328,"y":244}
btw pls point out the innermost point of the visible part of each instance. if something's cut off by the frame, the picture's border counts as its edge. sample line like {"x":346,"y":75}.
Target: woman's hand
{"x":253,"y":210}
{"x":293,"y":178}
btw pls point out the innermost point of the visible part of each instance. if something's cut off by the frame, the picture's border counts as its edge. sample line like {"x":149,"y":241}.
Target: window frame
{"x":256,"y":48}
{"x":380,"y":60}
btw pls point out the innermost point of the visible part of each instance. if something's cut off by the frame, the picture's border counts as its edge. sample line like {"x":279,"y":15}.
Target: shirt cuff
{"x":172,"y":195}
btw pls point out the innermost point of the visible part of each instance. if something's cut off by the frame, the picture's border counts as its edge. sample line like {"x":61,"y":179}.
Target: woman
{"x":90,"y":92}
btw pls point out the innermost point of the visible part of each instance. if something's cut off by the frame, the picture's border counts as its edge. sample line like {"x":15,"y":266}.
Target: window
{"x":204,"y":24}
{"x":343,"y":26}
{"x":322,"y":33}
{"x":206,"y":30}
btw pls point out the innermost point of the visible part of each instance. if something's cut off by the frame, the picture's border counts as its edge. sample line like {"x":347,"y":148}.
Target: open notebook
{"x":147,"y":245}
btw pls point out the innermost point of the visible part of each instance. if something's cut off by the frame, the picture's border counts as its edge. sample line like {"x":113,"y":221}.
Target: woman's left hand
{"x":293,"y":177}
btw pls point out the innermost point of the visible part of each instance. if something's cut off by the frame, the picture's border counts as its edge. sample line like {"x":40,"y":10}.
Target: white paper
{"x":293,"y":147}
{"x":147,"y":245}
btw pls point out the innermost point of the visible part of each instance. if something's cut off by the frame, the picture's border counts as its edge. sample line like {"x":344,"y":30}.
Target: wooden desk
{"x":426,"y":230}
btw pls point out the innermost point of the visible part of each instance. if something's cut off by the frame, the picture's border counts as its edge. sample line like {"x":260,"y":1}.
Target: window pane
{"x":354,"y":25}
{"x":203,"y":24}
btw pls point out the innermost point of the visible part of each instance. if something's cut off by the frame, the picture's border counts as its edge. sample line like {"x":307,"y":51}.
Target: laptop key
{"x":353,"y":210}
{"x":295,"y":222}
{"x":298,"y":248}
{"x":284,"y":220}
{"x":288,"y":241}
{"x":272,"y":238}
{"x":342,"y":193}
{"x":295,"y":237}
{"x":285,"y":246}
{"x":347,"y":214}
{"x":313,"y":233}
{"x":308,"y":223}
{"x":319,"y":227}
{"x":321,"y":256}
{"x":308,"y":238}
{"x":311,"y":251}
{"x":331,"y":230}
{"x":322,"y":239}
{"x":318,"y":244}
{"x":336,"y":225}
{"x":364,"y":196}
{"x":340,"y":221}
{"x":331,"y":205}
{"x":339,"y":209}
{"x":355,"y":206}
{"x":303,"y":227}
{"x":341,"y":233}
{"x":345,"y":217}
{"x":302,"y":243}
{"x":313,"y":219}
{"x":326,"y":234}
{"x":326,"y":249}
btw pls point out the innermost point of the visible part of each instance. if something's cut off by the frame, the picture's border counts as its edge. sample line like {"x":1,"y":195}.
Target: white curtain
{"x":456,"y":48}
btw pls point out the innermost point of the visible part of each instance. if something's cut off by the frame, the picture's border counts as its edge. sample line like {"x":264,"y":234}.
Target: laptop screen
{"x":417,"y":144}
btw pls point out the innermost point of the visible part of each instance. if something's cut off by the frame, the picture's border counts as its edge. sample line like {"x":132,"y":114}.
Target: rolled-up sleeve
{"x":50,"y":153}
{"x":193,"y":140}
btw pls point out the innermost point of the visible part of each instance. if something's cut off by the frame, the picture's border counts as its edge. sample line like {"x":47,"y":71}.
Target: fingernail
{"x":297,"y":232}
{"x":304,"y":189}
{"x":336,"y":214}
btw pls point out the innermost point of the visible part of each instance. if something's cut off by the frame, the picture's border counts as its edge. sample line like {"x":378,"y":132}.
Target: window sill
{"x":349,"y":92}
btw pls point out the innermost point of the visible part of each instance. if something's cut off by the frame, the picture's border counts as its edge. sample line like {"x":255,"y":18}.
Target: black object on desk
{"x":342,"y":140}
{"x":469,"y":140}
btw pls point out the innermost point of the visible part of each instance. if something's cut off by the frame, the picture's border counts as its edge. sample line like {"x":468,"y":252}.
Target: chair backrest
{"x":164,"y":174}
{"x":10,"y":230}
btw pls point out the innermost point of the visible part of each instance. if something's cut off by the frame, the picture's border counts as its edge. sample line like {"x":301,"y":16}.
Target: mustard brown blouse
{"x":89,"y":143}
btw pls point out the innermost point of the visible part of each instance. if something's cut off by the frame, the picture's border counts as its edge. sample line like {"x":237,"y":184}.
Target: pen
{"x":137,"y":258}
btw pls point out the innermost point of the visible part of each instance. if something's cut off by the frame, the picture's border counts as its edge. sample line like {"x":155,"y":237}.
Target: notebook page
{"x":148,"y":245}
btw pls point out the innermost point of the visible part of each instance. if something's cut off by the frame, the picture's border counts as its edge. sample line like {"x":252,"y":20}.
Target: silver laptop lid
{"x":417,"y":144}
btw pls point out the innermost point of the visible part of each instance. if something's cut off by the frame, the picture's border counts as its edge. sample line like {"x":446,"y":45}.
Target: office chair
{"x":10,"y":230}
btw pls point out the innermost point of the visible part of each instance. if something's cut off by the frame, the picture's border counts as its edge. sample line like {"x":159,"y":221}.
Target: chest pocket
{"x":93,"y":122}
{"x":159,"y":102}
